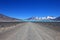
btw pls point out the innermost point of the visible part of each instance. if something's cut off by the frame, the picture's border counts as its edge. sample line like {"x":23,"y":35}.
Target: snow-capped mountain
{"x":33,"y":18}
{"x":49,"y":17}
{"x":41,"y":18}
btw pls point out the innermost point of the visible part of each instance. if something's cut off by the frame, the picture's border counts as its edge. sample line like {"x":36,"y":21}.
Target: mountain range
{"x":4,"y":18}
{"x":41,"y":18}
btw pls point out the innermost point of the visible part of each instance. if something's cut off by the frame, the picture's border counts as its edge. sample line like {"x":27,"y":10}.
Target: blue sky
{"x":28,"y":8}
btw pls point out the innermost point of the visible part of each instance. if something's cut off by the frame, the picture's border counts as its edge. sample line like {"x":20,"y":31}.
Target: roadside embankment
{"x":5,"y":26}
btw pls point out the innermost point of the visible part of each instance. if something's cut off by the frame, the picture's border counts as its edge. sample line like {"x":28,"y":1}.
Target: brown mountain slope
{"x":4,"y":18}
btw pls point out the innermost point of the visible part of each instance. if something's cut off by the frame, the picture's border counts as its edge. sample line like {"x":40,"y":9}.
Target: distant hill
{"x":58,"y":18}
{"x":31,"y":18}
{"x":4,"y":18}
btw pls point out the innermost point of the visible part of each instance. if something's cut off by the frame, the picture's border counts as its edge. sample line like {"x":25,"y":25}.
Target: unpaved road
{"x":30,"y":31}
